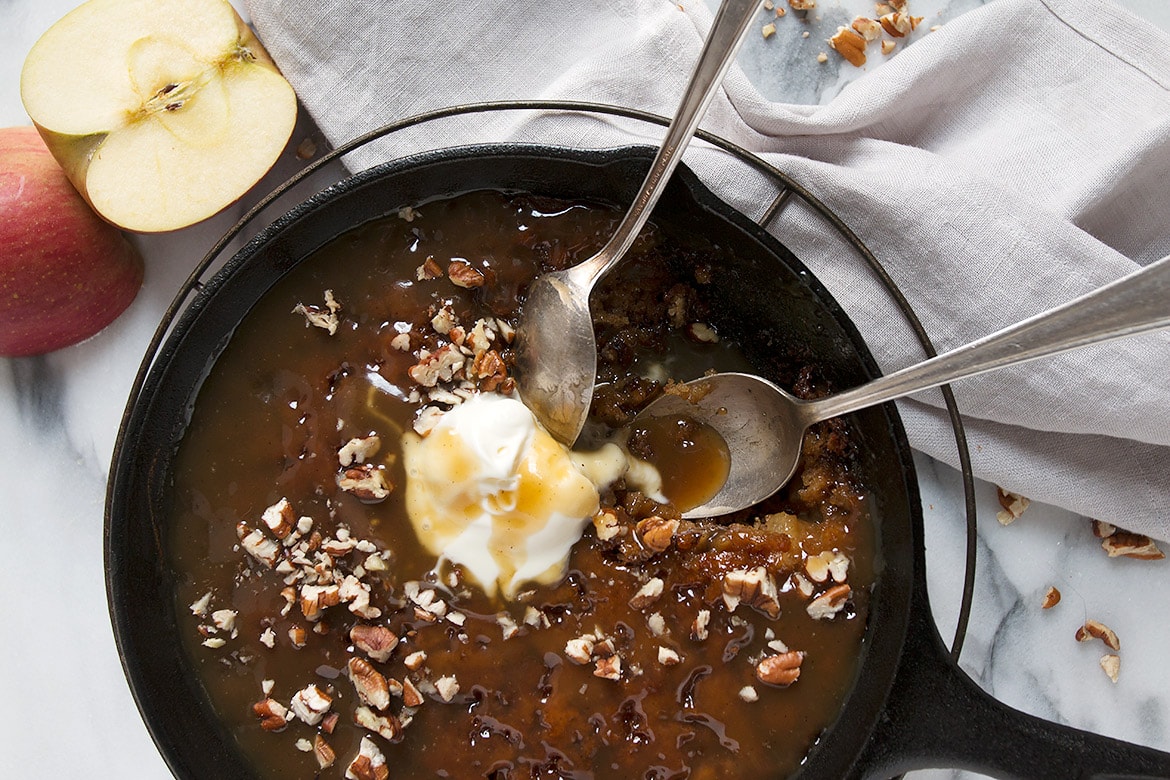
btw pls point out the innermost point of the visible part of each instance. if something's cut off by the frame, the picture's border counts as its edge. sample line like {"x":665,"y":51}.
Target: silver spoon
{"x":556,"y":355}
{"x":763,"y":425}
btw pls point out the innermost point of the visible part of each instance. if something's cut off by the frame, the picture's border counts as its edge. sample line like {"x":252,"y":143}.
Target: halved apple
{"x":161,"y":112}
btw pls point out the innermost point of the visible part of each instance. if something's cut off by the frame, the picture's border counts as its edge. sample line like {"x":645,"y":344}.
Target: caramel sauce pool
{"x":284,"y":397}
{"x":691,"y":456}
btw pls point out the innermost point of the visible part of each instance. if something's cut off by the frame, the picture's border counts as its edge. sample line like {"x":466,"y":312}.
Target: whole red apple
{"x":64,"y":272}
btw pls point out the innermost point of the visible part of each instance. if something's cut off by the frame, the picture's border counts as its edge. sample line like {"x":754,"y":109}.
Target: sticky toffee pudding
{"x":344,"y":626}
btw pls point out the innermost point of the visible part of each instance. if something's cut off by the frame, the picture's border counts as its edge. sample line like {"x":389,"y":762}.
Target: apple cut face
{"x":162,"y":112}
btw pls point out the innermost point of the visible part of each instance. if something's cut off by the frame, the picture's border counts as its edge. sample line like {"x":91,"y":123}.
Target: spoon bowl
{"x":556,"y":355}
{"x":763,"y":426}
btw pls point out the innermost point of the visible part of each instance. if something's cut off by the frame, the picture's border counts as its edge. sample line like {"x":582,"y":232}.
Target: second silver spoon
{"x":764,"y":426}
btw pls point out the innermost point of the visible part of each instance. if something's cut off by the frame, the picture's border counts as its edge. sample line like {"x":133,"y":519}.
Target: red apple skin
{"x":65,"y":273}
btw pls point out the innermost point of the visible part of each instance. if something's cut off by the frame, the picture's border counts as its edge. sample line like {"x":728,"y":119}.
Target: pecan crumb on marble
{"x":1093,"y":629}
{"x":1111,"y":665}
{"x":1013,"y":506}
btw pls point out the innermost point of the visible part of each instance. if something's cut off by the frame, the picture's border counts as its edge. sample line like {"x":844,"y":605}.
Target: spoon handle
{"x":723,"y":41}
{"x":1133,"y":304}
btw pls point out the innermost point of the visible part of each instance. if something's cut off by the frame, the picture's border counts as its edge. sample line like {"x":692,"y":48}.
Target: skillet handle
{"x":936,"y":716}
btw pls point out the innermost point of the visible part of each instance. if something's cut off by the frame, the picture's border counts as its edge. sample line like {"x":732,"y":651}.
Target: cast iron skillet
{"x":911,"y":707}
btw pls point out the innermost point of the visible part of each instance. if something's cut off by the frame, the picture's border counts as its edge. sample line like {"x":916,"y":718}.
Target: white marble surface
{"x":67,"y":710}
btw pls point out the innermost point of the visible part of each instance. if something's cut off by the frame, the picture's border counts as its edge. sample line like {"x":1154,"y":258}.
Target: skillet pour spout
{"x":910,"y":706}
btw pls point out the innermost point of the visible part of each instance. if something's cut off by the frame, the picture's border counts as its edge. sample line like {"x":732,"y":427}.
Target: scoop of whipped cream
{"x":492,"y":491}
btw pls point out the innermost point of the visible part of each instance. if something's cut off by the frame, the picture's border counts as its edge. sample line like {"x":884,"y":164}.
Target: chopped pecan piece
{"x":366,"y":482}
{"x":849,"y":44}
{"x":317,"y":598}
{"x":256,"y":544}
{"x":1013,"y":506}
{"x":897,"y":23}
{"x":411,"y":696}
{"x":609,"y":668}
{"x":359,"y":449}
{"x":579,"y":650}
{"x":699,"y":625}
{"x":489,"y":368}
{"x":781,"y":670}
{"x":1095,"y":630}
{"x":1130,"y":545}
{"x":447,"y":687}
{"x":429,"y":270}
{"x":325,"y":318}
{"x":1111,"y":665}
{"x":867,"y":28}
{"x":369,"y":764}
{"x":607,"y":526}
{"x":657,"y":532}
{"x":1102,"y":529}
{"x":323,"y":752}
{"x":754,"y":587}
{"x":298,"y":636}
{"x":442,"y":365}
{"x":1051,"y":598}
{"x":378,"y":642}
{"x":647,"y":594}
{"x":310,"y":704}
{"x":280,"y":518}
{"x":370,"y":684}
{"x":463,"y":275}
{"x":273,"y":715}
{"x":388,"y":727}
{"x":668,"y":656}
{"x":829,"y":603}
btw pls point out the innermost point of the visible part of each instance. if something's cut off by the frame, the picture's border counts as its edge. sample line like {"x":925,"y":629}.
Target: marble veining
{"x":68,"y":712}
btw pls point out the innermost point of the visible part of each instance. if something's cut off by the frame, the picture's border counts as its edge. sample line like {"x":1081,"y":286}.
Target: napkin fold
{"x":1012,"y":159}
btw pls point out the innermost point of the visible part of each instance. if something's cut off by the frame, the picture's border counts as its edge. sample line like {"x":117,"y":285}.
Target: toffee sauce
{"x":282,"y":399}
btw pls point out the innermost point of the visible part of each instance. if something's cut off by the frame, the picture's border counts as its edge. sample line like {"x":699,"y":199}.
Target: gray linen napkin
{"x":1014,"y":158}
